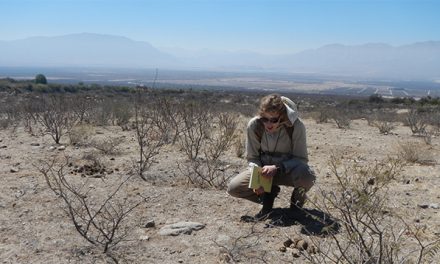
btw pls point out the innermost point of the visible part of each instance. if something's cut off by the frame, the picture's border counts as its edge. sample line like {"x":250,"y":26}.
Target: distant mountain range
{"x":414,"y":61}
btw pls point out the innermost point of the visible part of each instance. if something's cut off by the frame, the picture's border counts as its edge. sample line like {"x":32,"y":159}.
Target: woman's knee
{"x":235,"y":186}
{"x":305,"y":177}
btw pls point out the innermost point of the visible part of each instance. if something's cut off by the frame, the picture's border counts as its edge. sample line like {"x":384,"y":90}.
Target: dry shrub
{"x":383,"y":120}
{"x":79,"y":135}
{"x":102,"y":222}
{"x":413,"y":152}
{"x":56,"y":116}
{"x":342,"y":118}
{"x":166,"y":116}
{"x":370,"y":232}
{"x":417,"y":120}
{"x":108,"y":146}
{"x":5,"y":123}
{"x":321,"y":115}
{"x":243,"y":248}
{"x":149,"y":137}
{"x":204,"y":148}
{"x":197,"y":121}
{"x":239,"y":145}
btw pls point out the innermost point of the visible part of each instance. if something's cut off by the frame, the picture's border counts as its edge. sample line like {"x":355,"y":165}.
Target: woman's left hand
{"x":269,"y":171}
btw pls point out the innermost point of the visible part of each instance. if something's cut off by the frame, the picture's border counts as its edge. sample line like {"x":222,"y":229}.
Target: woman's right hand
{"x":269,"y":171}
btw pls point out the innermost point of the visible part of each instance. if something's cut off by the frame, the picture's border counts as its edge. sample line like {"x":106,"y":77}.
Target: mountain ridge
{"x":419,"y":60}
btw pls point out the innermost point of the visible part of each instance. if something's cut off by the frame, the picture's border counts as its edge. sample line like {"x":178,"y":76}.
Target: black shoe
{"x":298,"y":198}
{"x":267,"y":199}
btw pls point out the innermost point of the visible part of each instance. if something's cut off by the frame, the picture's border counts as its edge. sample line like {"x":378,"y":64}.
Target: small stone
{"x":296,"y":253}
{"x":423,"y":206}
{"x":112,"y":158}
{"x":35,"y":144}
{"x":282,"y":249}
{"x":180,"y":261}
{"x":51,"y":148}
{"x":434,"y":206}
{"x":14,"y":169}
{"x":144,"y":238}
{"x":302,"y":245}
{"x":370,"y":181}
{"x":150,"y":224}
{"x":288,"y":242}
{"x":407,"y":182}
{"x":61,"y":148}
{"x":3,"y":147}
{"x":312,"y":249}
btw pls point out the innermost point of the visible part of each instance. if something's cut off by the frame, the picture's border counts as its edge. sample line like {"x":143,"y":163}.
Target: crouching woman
{"x":275,"y":141}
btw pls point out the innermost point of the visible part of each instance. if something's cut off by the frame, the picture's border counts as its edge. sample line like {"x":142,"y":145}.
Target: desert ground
{"x":34,"y":227}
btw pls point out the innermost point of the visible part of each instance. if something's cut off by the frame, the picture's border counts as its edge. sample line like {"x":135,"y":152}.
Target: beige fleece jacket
{"x":280,"y":142}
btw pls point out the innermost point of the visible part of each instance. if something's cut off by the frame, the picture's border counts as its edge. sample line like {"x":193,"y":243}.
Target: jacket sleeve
{"x":299,"y":147}
{"x":253,"y":143}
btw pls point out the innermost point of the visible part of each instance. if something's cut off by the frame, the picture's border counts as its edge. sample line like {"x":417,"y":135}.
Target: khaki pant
{"x":300,"y":176}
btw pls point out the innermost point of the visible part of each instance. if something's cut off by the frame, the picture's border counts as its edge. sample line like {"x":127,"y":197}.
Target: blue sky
{"x":265,"y":26}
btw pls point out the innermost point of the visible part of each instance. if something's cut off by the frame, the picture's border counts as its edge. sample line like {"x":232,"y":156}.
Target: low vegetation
{"x":204,"y":127}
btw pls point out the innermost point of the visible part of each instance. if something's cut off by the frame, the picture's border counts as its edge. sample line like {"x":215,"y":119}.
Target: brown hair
{"x":273,"y":103}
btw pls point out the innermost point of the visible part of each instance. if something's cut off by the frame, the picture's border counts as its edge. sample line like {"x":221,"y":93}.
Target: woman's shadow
{"x":313,"y":221}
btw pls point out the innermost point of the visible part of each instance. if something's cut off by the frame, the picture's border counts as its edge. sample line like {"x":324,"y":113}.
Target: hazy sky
{"x":266,"y":26}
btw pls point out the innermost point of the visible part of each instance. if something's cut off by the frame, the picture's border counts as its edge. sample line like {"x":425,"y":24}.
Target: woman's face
{"x":271,"y":121}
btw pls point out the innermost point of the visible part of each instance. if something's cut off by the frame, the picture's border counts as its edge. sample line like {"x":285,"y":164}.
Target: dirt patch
{"x":35,"y":229}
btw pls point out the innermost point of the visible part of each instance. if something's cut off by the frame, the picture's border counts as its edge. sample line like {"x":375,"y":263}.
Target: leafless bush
{"x":384,"y":121}
{"x":107,"y":145}
{"x":205,"y":168}
{"x":239,"y":145}
{"x":342,"y":118}
{"x":371,"y":232}
{"x":417,"y":121}
{"x":427,"y":136}
{"x":413,"y":152}
{"x":149,"y":137}
{"x":166,"y":115}
{"x":5,"y":123}
{"x":56,"y":117}
{"x":122,"y":112}
{"x":101,"y":112}
{"x":79,"y":135}
{"x":243,"y":248}
{"x":321,"y":115}
{"x":197,"y":124}
{"x":100,"y":222}
{"x":31,"y":108}
{"x":435,"y":121}
{"x":82,"y":107}
{"x":9,"y":112}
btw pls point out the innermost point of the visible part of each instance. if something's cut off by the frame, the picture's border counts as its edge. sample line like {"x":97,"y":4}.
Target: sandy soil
{"x":35,"y":229}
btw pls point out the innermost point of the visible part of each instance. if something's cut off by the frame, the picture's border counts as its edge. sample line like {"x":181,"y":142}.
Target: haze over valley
{"x":416,"y":61}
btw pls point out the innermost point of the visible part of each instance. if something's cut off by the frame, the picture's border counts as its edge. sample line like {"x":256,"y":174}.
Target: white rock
{"x":61,"y":148}
{"x":180,"y":228}
{"x":14,"y":169}
{"x":434,"y":206}
{"x":144,"y":238}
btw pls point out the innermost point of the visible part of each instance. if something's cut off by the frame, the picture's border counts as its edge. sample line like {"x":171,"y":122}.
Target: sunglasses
{"x":272,"y":120}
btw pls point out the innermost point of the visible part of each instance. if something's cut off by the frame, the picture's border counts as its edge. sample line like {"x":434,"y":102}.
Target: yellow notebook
{"x":257,"y":180}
